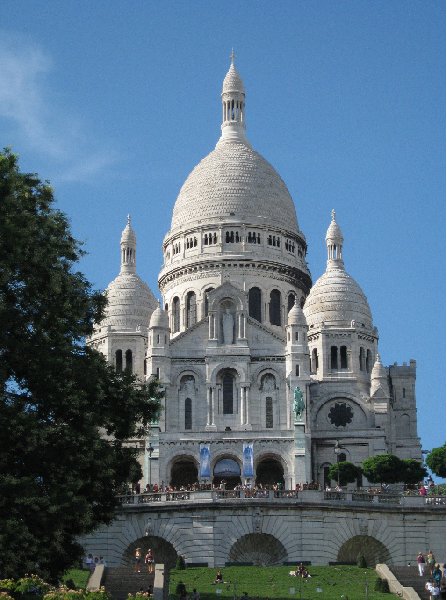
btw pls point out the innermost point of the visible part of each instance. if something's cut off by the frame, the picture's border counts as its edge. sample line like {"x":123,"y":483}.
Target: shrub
{"x":180,"y":590}
{"x":361,"y":561}
{"x":180,"y":563}
{"x":381,"y":585}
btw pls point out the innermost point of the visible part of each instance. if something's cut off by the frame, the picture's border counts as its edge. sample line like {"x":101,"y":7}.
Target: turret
{"x":233,"y":106}
{"x":157,"y":358}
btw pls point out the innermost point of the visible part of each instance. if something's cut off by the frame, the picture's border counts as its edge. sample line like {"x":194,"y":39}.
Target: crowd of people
{"x":427,"y":566}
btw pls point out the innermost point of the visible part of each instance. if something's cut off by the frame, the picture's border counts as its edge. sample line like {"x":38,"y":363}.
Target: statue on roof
{"x":298,"y":403}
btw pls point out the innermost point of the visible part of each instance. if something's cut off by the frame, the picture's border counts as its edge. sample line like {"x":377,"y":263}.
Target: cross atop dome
{"x":128,"y":248}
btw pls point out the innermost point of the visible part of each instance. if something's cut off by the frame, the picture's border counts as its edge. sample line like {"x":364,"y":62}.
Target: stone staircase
{"x":409,"y":577}
{"x":120,"y":581}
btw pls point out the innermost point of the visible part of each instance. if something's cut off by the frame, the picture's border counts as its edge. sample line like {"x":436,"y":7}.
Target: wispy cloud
{"x":35,"y":119}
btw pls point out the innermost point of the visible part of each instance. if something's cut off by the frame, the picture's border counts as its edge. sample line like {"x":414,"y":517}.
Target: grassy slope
{"x":275,"y":582}
{"x":78,"y":576}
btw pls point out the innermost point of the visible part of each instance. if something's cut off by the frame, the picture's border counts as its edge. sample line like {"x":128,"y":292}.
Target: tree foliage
{"x":413,"y":471}
{"x":436,"y":461}
{"x":64,"y":413}
{"x":382,"y":468}
{"x":345,"y":472}
{"x":387,"y":468}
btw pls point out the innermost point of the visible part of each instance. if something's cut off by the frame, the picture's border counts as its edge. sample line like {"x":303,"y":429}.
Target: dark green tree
{"x":436,"y":461}
{"x":344,"y":472}
{"x":383,"y":468}
{"x":413,"y":471}
{"x":64,"y":413}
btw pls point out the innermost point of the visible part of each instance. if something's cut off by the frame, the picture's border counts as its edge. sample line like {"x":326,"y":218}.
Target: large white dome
{"x":234,"y":181}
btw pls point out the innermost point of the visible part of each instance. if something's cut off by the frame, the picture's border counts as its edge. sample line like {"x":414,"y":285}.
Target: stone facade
{"x":242,"y":328}
{"x":274,"y":531}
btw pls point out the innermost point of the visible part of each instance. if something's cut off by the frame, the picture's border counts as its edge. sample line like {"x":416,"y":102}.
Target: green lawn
{"x":275,"y":582}
{"x":78,"y":576}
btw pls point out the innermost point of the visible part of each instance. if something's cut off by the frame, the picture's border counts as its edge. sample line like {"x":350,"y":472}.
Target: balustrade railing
{"x":301,"y":496}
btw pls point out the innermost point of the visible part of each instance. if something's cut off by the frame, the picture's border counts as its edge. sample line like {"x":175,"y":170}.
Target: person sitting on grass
{"x":219,"y":577}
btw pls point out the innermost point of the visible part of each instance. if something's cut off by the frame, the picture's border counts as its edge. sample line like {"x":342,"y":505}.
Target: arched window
{"x":119,"y":361}
{"x":191,"y":309}
{"x":334,"y":357}
{"x":206,"y":300}
{"x":362,"y":359}
{"x":254,"y":303}
{"x":341,"y":457}
{"x":176,"y":314}
{"x":343,"y":357}
{"x":314,"y":364}
{"x":227,"y":393}
{"x":269,"y":413}
{"x":368,"y":361}
{"x":188,"y":413}
{"x":297,"y":370}
{"x":275,"y":307}
{"x":290,"y":301}
{"x":129,"y":361}
{"x":145,"y":367}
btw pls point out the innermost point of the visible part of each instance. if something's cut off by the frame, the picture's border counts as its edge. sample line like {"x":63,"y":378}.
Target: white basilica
{"x":253,"y":357}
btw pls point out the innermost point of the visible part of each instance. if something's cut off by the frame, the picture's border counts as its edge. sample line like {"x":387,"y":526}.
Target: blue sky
{"x":116,"y":102}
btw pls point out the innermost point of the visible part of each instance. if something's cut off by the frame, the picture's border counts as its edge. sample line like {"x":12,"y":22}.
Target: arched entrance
{"x":164,"y":552}
{"x":227,"y":472}
{"x":184,"y":472}
{"x":260,"y":549}
{"x":374,"y":551}
{"x":269,"y":471}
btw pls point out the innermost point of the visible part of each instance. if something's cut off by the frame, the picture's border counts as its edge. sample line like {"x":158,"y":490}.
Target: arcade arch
{"x":258,"y":548}
{"x":163,"y":551}
{"x":184,"y":472}
{"x":374,"y":551}
{"x":270,"y":471}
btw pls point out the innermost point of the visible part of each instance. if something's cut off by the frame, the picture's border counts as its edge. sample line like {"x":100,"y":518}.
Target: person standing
{"x":433,"y":588}
{"x":437,"y":575}
{"x":137,"y":560}
{"x":431,"y":562}
{"x":421,"y":563}
{"x":149,"y":560}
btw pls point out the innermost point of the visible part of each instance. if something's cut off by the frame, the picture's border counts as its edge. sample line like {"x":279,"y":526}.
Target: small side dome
{"x":378,"y":370}
{"x":159,"y":318}
{"x":130,"y":303}
{"x":336,"y":299}
{"x":296,"y":316}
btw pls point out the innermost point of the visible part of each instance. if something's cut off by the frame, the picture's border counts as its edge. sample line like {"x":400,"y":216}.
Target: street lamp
{"x":337,"y":450}
{"x":150,"y":449}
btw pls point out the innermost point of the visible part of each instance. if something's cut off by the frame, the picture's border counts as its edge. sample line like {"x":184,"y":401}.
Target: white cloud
{"x":35,"y":119}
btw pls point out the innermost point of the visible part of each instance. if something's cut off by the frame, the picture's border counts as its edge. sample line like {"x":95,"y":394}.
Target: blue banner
{"x":247,"y":459}
{"x":205,"y":462}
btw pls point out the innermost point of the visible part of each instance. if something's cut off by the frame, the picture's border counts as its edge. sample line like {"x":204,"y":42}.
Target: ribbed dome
{"x":336,"y":299}
{"x":159,"y":318}
{"x":234,"y":181}
{"x":296,"y":316}
{"x":130,"y":303}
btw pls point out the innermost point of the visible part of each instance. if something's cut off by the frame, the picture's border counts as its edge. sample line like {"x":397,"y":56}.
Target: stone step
{"x":409,"y":577}
{"x":121,"y":581}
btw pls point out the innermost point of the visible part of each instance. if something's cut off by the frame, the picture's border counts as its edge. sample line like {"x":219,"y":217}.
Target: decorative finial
{"x":232,"y":56}
{"x":128,"y":219}
{"x":333,"y":214}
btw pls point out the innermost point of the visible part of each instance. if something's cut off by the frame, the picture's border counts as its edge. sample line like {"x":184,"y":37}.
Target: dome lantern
{"x":128,"y":249}
{"x":233,"y":106}
{"x":334,"y":243}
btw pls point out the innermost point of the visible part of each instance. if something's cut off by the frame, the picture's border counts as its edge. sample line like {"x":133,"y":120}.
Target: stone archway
{"x":374,"y":551}
{"x":184,"y":472}
{"x":164,"y":552}
{"x":260,"y":549}
{"x":269,"y":471}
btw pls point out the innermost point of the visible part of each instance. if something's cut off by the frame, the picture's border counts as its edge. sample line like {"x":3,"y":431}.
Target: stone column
{"x":242,"y":405}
